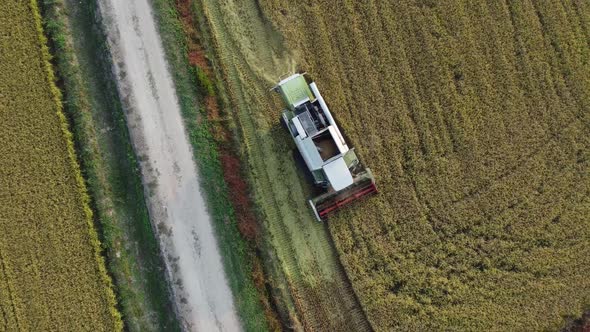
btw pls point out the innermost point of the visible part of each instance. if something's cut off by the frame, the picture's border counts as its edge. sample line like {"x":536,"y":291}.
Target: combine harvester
{"x":333,"y":166}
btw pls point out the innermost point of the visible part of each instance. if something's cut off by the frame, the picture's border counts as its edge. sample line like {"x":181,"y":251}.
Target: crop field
{"x":473,"y":115}
{"x":52,"y":276}
{"x":475,"y":118}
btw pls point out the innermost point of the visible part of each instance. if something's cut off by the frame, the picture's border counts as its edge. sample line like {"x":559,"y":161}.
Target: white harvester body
{"x":332,"y":164}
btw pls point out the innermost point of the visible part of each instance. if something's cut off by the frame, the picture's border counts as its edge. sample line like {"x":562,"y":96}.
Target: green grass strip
{"x":191,"y":88}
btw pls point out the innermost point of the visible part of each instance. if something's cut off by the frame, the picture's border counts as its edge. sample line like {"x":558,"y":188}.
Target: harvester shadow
{"x":280,"y":134}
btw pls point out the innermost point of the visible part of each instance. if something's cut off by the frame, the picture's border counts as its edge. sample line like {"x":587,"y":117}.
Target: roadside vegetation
{"x":109,"y":164}
{"x":52,"y":274}
{"x":474,"y":117}
{"x":225,"y":192}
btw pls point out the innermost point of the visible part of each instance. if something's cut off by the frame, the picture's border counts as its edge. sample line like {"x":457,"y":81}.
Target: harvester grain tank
{"x":334,"y":166}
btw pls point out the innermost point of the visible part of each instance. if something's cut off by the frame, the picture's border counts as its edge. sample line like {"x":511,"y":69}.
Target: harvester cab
{"x":334,"y":166}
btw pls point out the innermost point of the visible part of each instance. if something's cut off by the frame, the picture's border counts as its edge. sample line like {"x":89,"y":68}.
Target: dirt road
{"x":203,"y":299}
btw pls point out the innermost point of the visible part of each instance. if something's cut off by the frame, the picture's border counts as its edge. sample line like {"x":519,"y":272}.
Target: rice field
{"x":52,"y":276}
{"x":475,"y":118}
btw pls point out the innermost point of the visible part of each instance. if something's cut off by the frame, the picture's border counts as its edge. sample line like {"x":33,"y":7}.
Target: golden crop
{"x":474,"y":116}
{"x":52,"y":276}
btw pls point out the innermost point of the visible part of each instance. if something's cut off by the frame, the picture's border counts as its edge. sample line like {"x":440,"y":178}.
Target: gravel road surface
{"x":203,"y":299}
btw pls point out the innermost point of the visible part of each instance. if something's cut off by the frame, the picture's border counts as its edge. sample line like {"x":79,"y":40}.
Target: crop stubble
{"x":309,"y":283}
{"x":52,"y":274}
{"x":474,"y":116}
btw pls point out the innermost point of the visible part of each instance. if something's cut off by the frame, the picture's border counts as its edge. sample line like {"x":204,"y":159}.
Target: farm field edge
{"x":106,"y":316}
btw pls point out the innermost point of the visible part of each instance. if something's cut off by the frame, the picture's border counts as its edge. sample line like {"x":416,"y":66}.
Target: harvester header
{"x":333,"y":166}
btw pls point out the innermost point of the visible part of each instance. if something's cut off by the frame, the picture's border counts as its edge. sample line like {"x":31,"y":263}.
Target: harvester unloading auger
{"x":333,"y":166}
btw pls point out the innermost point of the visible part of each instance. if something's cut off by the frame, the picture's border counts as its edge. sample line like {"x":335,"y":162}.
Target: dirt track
{"x":202,"y":296}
